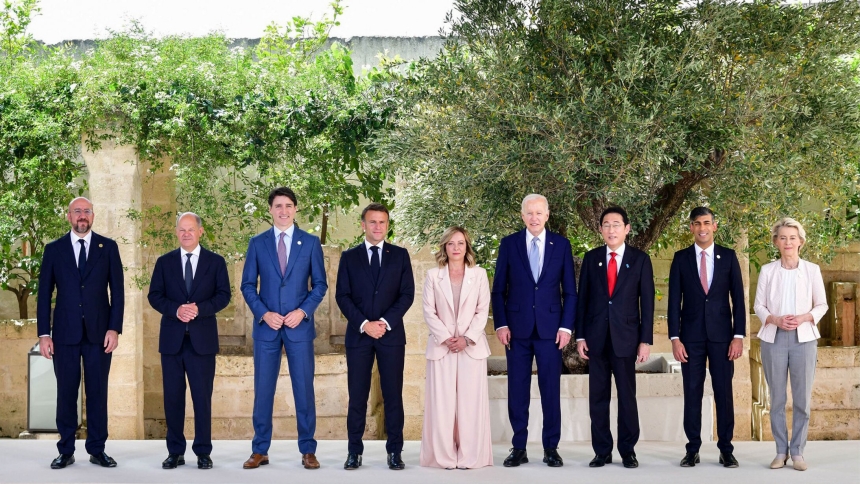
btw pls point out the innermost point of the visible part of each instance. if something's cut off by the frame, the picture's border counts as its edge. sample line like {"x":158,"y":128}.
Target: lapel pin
{"x":627,"y":266}
{"x":100,"y":245}
{"x":718,"y":256}
{"x":299,"y":242}
{"x":551,"y":243}
{"x":600,"y":264}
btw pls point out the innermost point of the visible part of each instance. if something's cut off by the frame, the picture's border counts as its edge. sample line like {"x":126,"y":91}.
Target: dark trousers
{"x":201,"y":375}
{"x":693,"y":373}
{"x":359,"y":362}
{"x":67,"y":368}
{"x":601,"y":368}
{"x":520,"y":357}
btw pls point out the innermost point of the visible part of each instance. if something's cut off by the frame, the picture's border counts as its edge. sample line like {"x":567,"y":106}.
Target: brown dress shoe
{"x":310,"y":461}
{"x":255,"y":461}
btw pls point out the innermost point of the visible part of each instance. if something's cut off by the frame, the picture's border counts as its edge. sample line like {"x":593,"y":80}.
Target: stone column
{"x":114,"y":188}
{"x":741,"y":383}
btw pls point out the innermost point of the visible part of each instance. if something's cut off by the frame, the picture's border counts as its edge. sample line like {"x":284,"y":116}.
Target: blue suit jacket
{"x":520,"y":302}
{"x":359,"y":299}
{"x":284,"y":294}
{"x":696,"y":316}
{"x":628,"y":316}
{"x":80,"y":296}
{"x":210,"y":290}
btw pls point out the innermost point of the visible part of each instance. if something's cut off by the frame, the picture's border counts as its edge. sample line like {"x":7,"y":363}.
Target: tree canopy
{"x":752,"y":108}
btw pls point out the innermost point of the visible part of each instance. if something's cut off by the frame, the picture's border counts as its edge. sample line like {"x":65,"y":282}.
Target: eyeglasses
{"x":80,"y":212}
{"x":612,"y":226}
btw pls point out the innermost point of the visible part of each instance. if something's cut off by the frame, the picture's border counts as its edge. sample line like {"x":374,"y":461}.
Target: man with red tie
{"x":704,"y":328}
{"x":614,"y":328}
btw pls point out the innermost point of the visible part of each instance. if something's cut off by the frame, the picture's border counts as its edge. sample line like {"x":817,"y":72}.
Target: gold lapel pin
{"x":100,"y":245}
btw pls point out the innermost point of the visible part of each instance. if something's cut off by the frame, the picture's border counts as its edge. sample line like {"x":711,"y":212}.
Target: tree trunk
{"x":22,"y":297}
{"x":324,"y":225}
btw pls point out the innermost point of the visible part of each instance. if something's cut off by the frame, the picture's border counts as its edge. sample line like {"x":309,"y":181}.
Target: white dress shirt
{"x":288,"y":239}
{"x":367,"y":246}
{"x":619,"y":254}
{"x":76,"y":246}
{"x":195,"y":257}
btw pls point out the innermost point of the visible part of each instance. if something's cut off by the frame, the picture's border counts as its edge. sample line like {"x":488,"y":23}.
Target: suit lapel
{"x":468,"y":282}
{"x":269,"y":243}
{"x":96,"y":249}
{"x":69,"y":251}
{"x":363,"y":260}
{"x":202,"y":268}
{"x":602,"y":269}
{"x":695,"y":266}
{"x":524,"y":256}
{"x":623,"y":270}
{"x":384,"y":263}
{"x":445,"y":284}
{"x":295,"y":247}
{"x":548,"y":248}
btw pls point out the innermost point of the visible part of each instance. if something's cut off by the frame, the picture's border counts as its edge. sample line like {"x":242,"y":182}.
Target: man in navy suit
{"x":285,"y":260}
{"x":82,"y":266}
{"x":614,"y":330}
{"x":375,"y":288}
{"x":534,"y":306}
{"x":189,"y":286}
{"x":703,"y":279}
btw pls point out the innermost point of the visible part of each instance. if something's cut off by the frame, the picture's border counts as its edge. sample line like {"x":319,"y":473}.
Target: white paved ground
{"x":139,"y":461}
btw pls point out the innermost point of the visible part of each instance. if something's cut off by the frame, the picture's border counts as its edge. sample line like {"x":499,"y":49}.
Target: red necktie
{"x":611,"y":272}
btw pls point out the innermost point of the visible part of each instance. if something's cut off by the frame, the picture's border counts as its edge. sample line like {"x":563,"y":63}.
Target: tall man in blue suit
{"x":189,"y":286}
{"x":703,"y":327}
{"x":375,"y":288}
{"x":614,"y":328}
{"x":534,"y":306}
{"x":87,"y":320}
{"x":285,"y":260}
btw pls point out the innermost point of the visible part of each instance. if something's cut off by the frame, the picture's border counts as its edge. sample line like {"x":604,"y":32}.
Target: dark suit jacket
{"x":210,"y":290}
{"x":80,"y":296}
{"x":628,"y":316}
{"x":695,"y":316}
{"x":359,"y":299}
{"x":520,"y":302}
{"x":284,"y":294}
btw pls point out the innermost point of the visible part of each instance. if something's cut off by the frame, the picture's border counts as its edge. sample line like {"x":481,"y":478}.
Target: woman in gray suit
{"x":789,"y":302}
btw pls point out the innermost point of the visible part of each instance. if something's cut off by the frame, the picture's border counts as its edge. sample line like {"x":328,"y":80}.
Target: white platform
{"x":139,"y":461}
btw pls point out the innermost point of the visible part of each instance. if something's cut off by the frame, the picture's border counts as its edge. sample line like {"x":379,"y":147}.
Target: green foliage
{"x":749,"y":107}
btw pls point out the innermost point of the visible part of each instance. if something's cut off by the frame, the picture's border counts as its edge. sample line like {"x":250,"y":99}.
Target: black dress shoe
{"x":551,"y":458}
{"x":353,"y":461}
{"x":517,"y":457}
{"x":728,"y":460}
{"x":395,"y":463}
{"x":172,"y":461}
{"x":600,"y":460}
{"x":62,"y":461}
{"x":630,"y":461}
{"x":690,"y":459}
{"x":102,"y":459}
{"x":204,"y":461}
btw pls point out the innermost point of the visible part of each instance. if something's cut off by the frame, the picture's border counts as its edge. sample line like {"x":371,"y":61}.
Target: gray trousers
{"x":783,"y":358}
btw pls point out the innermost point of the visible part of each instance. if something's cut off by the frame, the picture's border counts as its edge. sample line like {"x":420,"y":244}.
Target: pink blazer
{"x":810,"y":298}
{"x":473,"y":311}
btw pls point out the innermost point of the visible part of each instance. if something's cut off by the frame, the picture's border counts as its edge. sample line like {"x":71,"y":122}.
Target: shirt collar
{"x":368,"y":245}
{"x":196,"y":251}
{"x":619,"y":252}
{"x":87,"y":238}
{"x":709,"y":251}
{"x":541,"y":236}
{"x":289,"y":231}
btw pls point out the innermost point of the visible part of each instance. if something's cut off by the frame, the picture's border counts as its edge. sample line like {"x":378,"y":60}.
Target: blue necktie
{"x":189,"y":273}
{"x":534,"y":259}
{"x":82,"y":257}
{"x":374,"y":263}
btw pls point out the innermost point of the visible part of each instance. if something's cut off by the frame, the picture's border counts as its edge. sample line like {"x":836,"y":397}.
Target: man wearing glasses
{"x":614,"y":326}
{"x":87,"y":320}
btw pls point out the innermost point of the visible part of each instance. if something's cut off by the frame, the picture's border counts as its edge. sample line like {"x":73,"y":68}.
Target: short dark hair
{"x":375,"y":207}
{"x":619,"y":211}
{"x":282,"y":192}
{"x":699,"y":211}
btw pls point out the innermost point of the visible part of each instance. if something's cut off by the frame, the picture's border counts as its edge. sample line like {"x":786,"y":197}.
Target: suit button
{"x":533,"y":307}
{"x":535,"y":288}
{"x":82,"y":287}
{"x":376,"y":292}
{"x":80,"y":305}
{"x":610,"y":303}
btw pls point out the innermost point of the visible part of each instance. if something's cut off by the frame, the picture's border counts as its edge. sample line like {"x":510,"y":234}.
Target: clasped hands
{"x":375,"y":329}
{"x":456,"y":344}
{"x":187,"y":312}
{"x":290,"y":320}
{"x":790,"y":322}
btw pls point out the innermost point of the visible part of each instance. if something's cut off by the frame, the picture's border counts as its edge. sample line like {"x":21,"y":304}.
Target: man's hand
{"x":187,"y":312}
{"x":293,"y":318}
{"x":504,"y":335}
{"x":678,"y":350}
{"x":46,"y":347}
{"x":643,"y":352}
{"x":456,"y":345}
{"x":274,"y":320}
{"x":582,"y":349}
{"x":736,"y":348}
{"x":111,"y":341}
{"x":375,"y":329}
{"x":562,"y":338}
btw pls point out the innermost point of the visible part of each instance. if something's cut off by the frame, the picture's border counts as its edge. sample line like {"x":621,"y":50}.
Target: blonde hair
{"x":442,"y":255}
{"x":788,"y":222}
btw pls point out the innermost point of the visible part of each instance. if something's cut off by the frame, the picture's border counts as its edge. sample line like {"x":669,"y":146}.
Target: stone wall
{"x":16,"y":339}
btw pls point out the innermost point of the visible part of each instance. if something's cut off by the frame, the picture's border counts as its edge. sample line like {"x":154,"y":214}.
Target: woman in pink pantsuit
{"x":456,"y":406}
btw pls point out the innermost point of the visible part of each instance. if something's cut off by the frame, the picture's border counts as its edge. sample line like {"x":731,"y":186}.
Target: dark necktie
{"x":374,"y":263}
{"x":612,"y":272}
{"x":189,"y":273}
{"x":82,"y":257}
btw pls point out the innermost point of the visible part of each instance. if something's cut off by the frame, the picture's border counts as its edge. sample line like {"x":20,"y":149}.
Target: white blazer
{"x":810,"y":298}
{"x":471,"y":317}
